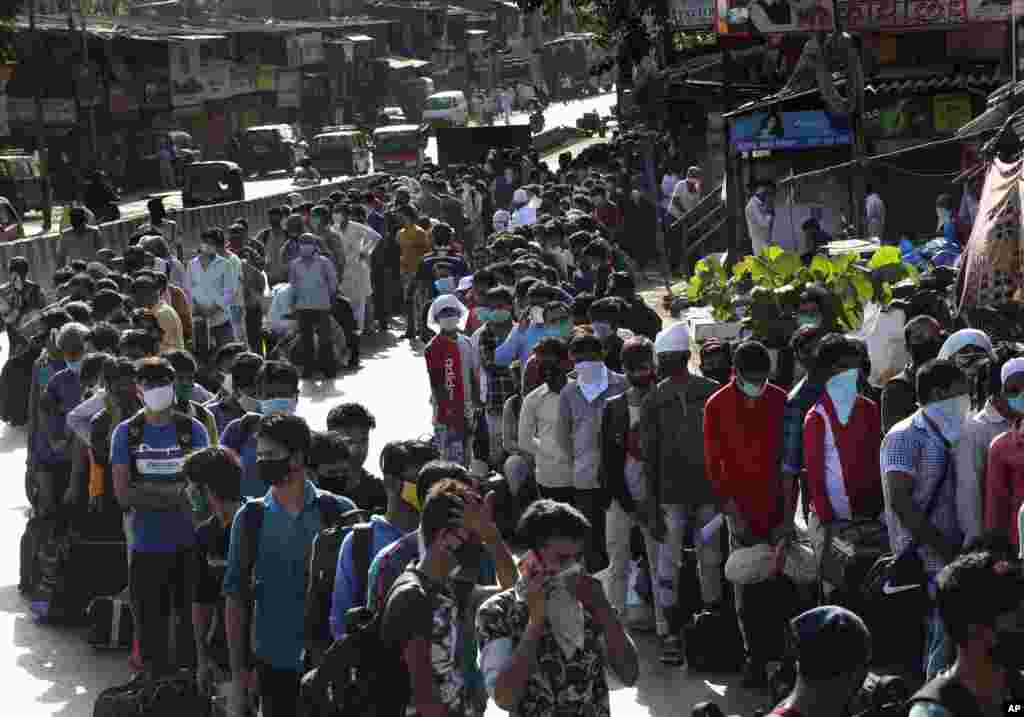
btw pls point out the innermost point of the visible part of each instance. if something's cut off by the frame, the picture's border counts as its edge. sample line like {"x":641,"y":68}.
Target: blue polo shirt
{"x":280,"y":574}
{"x":245,"y":446}
{"x":157,"y":457}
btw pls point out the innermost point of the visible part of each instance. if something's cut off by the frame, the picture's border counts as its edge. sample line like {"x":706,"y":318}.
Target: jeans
{"x":450,"y":445}
{"x":709,"y":555}
{"x":254,"y":328}
{"x":161,"y":589}
{"x":279,"y":691}
{"x":409,"y":286}
{"x":322,"y":351}
{"x":619,"y":524}
{"x":937,"y":656}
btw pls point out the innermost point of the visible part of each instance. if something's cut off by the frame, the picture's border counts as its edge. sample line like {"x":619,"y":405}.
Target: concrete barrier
{"x":41,"y":251}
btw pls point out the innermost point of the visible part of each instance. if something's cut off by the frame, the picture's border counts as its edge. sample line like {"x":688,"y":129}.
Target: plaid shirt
{"x":800,"y":400}
{"x":501,"y":382}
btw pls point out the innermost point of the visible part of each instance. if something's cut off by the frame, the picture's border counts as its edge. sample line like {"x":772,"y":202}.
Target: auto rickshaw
{"x":215,"y":182}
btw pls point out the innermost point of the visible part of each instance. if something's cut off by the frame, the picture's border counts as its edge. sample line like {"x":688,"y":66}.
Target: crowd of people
{"x":574,"y":436}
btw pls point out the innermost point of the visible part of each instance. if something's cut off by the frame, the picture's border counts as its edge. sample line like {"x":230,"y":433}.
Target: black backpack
{"x":359,"y":675}
{"x":323,"y":566}
{"x":137,"y":426}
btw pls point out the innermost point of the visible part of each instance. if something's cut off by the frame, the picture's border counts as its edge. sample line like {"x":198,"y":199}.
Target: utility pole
{"x":40,"y":126}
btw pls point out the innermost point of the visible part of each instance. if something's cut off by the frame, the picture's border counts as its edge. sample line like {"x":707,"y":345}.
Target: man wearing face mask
{"x":760,"y":217}
{"x":291,"y":515}
{"x":276,"y":391}
{"x":19,"y":299}
{"x":358,"y":242}
{"x":580,"y":409}
{"x":184,"y":365}
{"x":842,"y":436}
{"x":495,"y":312}
{"x":63,"y":392}
{"x":979,"y":598}
{"x":605,"y":317}
{"x":147,"y":455}
{"x":314,"y":285}
{"x":918,"y":467}
{"x":538,"y":423}
{"x":681,"y":498}
{"x":802,"y":397}
{"x":532,"y":326}
{"x":833,"y":650}
{"x":225,"y":406}
{"x":453,"y":386}
{"x":558,"y":616}
{"x":147,"y":296}
{"x":923,"y":335}
{"x":742,"y":445}
{"x":212,"y":291}
{"x":624,"y":474}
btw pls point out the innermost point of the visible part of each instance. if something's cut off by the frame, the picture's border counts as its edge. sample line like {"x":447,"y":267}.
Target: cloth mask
{"x":808,"y":320}
{"x":537,"y":315}
{"x":1016,"y":404}
{"x":450,"y":323}
{"x":592,"y":379}
{"x":183,"y":392}
{"x":273,"y":471}
{"x":751,"y":390}
{"x":602,"y":329}
{"x":270,"y":406}
{"x":483,"y":314}
{"x":842,"y":389}
{"x":949,"y":415}
{"x":159,"y":398}
{"x":564,"y":612}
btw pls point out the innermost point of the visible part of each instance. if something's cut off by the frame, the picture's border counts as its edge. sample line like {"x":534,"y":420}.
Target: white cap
{"x":520,"y":196}
{"x":1011,"y":368}
{"x":673,"y":339}
{"x":964,"y":338}
{"x":446,"y":301}
{"x":465,"y":283}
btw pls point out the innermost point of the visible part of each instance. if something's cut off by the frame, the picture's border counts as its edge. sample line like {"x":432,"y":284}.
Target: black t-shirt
{"x":212,"y":540}
{"x":366,"y":491}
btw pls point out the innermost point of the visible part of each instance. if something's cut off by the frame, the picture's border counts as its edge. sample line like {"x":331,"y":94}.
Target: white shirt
{"x":759,"y":224}
{"x":212,"y":286}
{"x":357,"y":240}
{"x":538,"y":424}
{"x":835,"y":486}
{"x":683,"y":197}
{"x":280,"y":305}
{"x":874,"y":210}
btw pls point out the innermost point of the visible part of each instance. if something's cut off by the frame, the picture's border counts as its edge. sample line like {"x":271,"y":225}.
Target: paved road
{"x":281,"y":182}
{"x":51,"y":671}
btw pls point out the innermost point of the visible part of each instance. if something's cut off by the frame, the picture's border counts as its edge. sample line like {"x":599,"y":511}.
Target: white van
{"x":446,"y":109}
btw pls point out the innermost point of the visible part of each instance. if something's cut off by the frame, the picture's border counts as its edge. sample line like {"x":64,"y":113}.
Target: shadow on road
{"x":73,"y":672}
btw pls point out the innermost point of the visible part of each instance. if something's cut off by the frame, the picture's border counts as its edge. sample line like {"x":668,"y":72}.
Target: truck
{"x":464,"y":146}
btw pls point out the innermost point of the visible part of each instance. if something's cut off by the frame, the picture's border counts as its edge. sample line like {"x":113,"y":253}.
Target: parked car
{"x":145,"y":166}
{"x":446,"y":109}
{"x":267,"y":148}
{"x":399,"y":149}
{"x":343,"y":152}
{"x":21,"y":182}
{"x":212,"y":183}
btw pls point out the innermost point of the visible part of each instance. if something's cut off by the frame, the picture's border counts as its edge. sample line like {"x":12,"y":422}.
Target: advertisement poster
{"x":907,"y":118}
{"x":894,"y":14}
{"x":691,"y":14}
{"x":774,"y":17}
{"x":951,"y":112}
{"x":789,"y":130}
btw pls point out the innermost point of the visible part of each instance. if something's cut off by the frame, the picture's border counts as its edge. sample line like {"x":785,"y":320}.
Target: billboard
{"x":691,"y":14}
{"x":772,"y":129}
{"x":745,"y":18}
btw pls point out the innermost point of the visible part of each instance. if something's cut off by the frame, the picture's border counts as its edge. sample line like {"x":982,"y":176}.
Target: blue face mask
{"x":445,"y":285}
{"x":1016,"y":403}
{"x":842,"y":389}
{"x":270,"y":406}
{"x":75,"y":366}
{"x":483,"y":314}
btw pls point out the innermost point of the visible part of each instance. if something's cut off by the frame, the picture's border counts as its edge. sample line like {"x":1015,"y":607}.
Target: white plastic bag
{"x":882,"y":331}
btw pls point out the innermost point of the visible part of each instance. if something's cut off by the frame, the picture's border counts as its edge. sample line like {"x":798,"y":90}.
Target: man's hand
{"x":590,"y":593}
{"x":537,"y":599}
{"x":478,"y":518}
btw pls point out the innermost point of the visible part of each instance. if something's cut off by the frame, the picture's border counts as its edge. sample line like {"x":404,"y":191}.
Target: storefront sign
{"x":789,"y":130}
{"x":773,"y":17}
{"x":692,"y":13}
{"x":289,"y":88}
{"x":899,"y":14}
{"x":951,"y":112}
{"x":266,"y":78}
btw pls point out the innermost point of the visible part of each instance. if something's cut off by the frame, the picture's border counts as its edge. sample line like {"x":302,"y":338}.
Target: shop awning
{"x":955,"y":81}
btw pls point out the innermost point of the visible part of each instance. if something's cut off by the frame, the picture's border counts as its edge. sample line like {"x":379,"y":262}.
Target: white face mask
{"x":589,"y":372}
{"x":158,"y":399}
{"x":949,"y":415}
{"x":450,"y":323}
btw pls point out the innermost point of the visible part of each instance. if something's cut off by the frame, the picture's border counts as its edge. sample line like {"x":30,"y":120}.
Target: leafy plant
{"x":779,"y":277}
